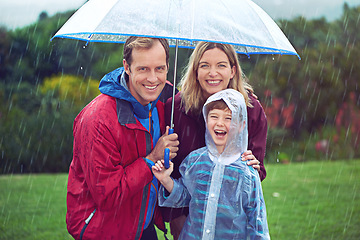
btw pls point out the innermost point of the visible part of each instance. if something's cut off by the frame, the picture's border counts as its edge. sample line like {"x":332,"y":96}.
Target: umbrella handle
{"x":167,"y":153}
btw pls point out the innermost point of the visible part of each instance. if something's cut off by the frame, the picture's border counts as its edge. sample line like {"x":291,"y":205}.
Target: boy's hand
{"x":160,"y":172}
{"x":163,"y":174}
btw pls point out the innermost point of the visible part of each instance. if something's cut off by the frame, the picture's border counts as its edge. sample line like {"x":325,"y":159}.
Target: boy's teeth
{"x":150,"y":87}
{"x":220,"y":132}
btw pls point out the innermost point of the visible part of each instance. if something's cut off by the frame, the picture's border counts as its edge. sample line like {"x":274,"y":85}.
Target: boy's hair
{"x":221,"y":105}
{"x":218,"y":104}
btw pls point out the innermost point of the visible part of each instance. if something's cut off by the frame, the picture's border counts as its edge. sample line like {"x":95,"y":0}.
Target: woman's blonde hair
{"x":191,"y":91}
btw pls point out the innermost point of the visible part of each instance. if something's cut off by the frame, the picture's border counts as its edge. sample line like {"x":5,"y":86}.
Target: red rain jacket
{"x":109,"y":173}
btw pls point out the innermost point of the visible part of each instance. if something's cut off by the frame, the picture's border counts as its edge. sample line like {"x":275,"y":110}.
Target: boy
{"x":224,"y":195}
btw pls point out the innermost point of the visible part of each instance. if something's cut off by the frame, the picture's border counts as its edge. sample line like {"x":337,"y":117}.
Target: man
{"x":117,"y":138}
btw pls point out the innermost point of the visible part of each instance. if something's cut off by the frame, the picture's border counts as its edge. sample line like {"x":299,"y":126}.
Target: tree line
{"x":44,"y":84}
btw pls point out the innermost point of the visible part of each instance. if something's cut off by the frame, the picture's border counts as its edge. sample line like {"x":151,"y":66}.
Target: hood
{"x":114,"y":84}
{"x":237,"y":140}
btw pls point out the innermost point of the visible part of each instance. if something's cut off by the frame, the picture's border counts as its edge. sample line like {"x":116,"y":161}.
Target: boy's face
{"x":218,"y":124}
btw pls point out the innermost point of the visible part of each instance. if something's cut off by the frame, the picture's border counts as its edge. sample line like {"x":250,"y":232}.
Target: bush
{"x":36,"y":126}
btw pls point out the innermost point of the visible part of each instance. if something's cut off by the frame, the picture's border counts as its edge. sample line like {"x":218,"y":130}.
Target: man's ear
{"x":126,"y":67}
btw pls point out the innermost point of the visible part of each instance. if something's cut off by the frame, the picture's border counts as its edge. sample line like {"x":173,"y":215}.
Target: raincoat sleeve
{"x":255,"y":209}
{"x":111,"y":176}
{"x":257,"y":129}
{"x":178,"y":198}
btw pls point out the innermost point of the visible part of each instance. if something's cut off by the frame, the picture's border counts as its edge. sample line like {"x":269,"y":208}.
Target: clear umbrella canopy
{"x":241,"y":23}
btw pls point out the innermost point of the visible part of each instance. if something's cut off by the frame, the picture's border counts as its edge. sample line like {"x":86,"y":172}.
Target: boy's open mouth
{"x":220,"y":132}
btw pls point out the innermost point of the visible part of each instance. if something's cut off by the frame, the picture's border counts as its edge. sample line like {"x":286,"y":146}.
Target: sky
{"x":19,"y":13}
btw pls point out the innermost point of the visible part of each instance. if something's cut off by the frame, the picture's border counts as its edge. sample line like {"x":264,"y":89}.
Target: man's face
{"x":218,"y":124}
{"x":147,"y":73}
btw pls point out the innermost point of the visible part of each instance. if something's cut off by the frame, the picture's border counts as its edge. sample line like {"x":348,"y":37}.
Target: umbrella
{"x":241,"y":23}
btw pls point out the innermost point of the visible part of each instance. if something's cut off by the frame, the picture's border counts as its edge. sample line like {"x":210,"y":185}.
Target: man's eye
{"x":161,"y":69}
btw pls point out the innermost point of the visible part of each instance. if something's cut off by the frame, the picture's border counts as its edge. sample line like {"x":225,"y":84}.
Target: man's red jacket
{"x":109,"y":173}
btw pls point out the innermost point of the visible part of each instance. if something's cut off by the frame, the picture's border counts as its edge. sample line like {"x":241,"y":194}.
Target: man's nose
{"x":152,"y":77}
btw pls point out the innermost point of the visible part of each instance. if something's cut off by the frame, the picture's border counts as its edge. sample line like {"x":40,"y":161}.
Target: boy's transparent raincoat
{"x":223,"y":193}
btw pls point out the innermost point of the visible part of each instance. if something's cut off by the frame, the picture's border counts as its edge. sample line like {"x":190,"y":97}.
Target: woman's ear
{"x":233,"y":71}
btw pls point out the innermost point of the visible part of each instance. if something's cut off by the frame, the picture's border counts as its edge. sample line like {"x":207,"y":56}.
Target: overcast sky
{"x":18,"y":13}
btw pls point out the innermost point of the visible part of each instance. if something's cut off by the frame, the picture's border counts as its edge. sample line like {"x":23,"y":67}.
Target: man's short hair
{"x":134,"y":42}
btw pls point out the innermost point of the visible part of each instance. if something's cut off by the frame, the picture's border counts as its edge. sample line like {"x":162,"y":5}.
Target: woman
{"x":212,"y":67}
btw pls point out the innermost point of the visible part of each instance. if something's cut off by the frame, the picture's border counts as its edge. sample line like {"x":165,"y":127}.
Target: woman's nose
{"x":212,"y":72}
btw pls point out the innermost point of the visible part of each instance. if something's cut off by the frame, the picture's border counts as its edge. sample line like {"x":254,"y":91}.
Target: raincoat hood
{"x":237,"y":139}
{"x":115,"y":84}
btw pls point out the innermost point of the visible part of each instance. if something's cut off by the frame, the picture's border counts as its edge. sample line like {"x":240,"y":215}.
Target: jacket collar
{"x":124,"y":112}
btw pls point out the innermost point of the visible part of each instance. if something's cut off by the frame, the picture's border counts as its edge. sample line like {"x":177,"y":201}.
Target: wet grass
{"x":312,"y":200}
{"x":316,"y":200}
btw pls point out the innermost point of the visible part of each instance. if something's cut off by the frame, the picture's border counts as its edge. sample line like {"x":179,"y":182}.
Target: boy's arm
{"x":256,"y":210}
{"x":176,"y":194}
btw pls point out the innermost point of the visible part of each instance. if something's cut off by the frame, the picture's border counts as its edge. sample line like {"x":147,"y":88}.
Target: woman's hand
{"x":252,"y":161}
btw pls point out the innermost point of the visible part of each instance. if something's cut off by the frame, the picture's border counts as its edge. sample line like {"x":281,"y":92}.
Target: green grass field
{"x":312,"y":200}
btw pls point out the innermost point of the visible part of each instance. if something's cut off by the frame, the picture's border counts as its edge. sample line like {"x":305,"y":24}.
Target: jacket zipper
{"x":86,"y":223}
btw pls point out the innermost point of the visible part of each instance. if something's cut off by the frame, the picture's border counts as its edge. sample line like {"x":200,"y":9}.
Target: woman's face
{"x":214,"y":72}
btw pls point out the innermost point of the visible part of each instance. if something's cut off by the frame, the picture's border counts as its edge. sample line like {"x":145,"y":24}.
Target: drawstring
{"x":150,"y":121}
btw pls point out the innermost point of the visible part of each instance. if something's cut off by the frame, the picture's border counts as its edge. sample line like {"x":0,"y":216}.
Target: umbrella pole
{"x":174,"y":85}
{"x":171,"y":130}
